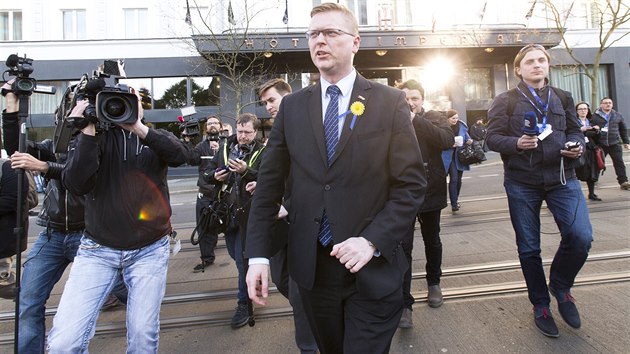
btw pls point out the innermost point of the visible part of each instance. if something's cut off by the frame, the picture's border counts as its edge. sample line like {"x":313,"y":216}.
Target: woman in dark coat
{"x":588,"y":171}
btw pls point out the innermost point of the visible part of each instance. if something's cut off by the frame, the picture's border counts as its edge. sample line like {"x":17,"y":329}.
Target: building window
{"x":572,"y":79}
{"x":74,"y":24}
{"x":359,"y":8}
{"x":11,"y":25}
{"x":478,"y":84}
{"x":136,"y":23}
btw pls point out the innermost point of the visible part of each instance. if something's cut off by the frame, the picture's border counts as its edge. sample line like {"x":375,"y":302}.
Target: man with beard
{"x":201,"y":156}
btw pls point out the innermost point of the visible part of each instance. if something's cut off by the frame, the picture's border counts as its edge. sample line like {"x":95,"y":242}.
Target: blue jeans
{"x":235,"y":250}
{"x":44,"y":266}
{"x":454,"y":182}
{"x":570,"y":213}
{"x":93,"y":276}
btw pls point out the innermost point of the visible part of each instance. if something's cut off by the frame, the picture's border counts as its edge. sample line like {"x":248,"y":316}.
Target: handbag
{"x":599,"y":158}
{"x":471,"y":154}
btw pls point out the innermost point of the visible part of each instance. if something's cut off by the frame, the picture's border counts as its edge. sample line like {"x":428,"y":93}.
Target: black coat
{"x":433,"y":136}
{"x":8,"y":207}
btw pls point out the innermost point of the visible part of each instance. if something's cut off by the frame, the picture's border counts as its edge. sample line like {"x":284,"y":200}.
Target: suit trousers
{"x":344,"y":320}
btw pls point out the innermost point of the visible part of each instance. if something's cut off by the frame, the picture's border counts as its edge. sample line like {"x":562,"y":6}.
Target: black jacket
{"x":124,"y":178}
{"x":433,"y":136}
{"x":239,"y":196}
{"x":616,"y":125}
{"x":202,"y":155}
{"x":61,"y":210}
{"x":8,"y":207}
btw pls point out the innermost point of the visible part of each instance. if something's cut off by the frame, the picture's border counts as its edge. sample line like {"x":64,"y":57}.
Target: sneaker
{"x":406,"y":320}
{"x":201,"y":266}
{"x":545,"y":323}
{"x":7,"y":285}
{"x":625,"y":185}
{"x":566,"y":307}
{"x":435,"y":297}
{"x":241,"y":316}
{"x":110,"y":303}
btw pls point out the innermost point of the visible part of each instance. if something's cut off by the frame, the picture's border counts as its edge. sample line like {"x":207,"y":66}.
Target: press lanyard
{"x":606,"y":117}
{"x":540,"y":105}
{"x":586,"y":124}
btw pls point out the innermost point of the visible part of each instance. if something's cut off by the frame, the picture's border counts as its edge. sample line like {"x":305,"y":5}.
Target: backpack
{"x":31,"y":197}
{"x":513,"y":97}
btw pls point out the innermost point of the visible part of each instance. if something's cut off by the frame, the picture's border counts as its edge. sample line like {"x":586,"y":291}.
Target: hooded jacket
{"x":124,"y":180}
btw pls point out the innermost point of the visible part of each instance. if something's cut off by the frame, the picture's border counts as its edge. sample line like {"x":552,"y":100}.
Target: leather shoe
{"x":435,"y":298}
{"x":241,"y":316}
{"x":201,"y":266}
{"x":545,"y":323}
{"x":594,"y":197}
{"x":456,"y":207}
{"x":566,"y":307}
{"x":406,"y":320}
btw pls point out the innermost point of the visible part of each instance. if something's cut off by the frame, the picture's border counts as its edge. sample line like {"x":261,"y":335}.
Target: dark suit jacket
{"x":373,"y":187}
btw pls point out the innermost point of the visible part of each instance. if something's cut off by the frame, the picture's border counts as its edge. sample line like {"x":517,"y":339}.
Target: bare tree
{"x":236,"y":54}
{"x":610,"y":16}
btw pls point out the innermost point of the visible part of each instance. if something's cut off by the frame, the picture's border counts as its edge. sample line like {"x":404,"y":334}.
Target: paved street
{"x":486,"y":308}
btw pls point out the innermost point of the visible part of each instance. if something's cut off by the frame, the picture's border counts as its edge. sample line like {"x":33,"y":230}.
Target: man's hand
{"x":257,"y":280}
{"x":251,"y":187}
{"x":354,"y":253}
{"x":220,"y":175}
{"x":28,"y":162}
{"x":11,"y":100}
{"x":77,"y":113}
{"x":626,"y":146}
{"x":237,"y":165}
{"x":573,"y":153}
{"x":527,"y":142}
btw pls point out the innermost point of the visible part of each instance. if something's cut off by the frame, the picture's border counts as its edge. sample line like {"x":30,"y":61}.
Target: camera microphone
{"x":530,"y":124}
{"x":95,"y":86}
{"x":13,"y":60}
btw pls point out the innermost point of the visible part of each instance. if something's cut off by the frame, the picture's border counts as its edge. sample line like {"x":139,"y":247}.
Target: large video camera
{"x":189,"y":125}
{"x":22,"y":68}
{"x":110,"y":103}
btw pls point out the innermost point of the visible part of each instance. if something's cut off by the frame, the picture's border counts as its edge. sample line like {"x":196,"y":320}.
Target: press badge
{"x":545,"y":133}
{"x":175,"y":243}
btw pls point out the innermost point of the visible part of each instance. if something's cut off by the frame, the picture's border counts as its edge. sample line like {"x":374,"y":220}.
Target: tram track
{"x":453,"y":293}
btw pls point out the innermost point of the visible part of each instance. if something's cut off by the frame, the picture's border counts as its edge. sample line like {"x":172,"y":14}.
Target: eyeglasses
{"x":530,"y":46}
{"x":214,"y":123}
{"x":328,"y":33}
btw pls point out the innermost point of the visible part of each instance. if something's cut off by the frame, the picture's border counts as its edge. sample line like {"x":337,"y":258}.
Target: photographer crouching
{"x":122,"y":171}
{"x":236,"y":164}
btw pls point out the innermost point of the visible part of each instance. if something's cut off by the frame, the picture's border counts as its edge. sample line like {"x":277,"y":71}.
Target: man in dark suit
{"x":356,"y":183}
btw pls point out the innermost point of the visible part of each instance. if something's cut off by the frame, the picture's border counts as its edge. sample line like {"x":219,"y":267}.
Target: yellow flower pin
{"x":357,"y":108}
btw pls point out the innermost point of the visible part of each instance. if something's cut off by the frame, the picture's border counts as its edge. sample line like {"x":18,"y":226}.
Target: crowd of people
{"x":288,"y":208}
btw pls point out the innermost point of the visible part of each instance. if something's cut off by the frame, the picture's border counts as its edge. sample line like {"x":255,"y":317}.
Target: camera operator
{"x":202,"y":156}
{"x":122,"y":171}
{"x":62,"y":216}
{"x":233,"y":167}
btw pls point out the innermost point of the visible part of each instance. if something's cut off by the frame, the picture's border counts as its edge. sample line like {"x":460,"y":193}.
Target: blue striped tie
{"x":331,"y":132}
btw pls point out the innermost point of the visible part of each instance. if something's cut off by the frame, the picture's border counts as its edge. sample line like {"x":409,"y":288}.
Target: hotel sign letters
{"x":396,"y":40}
